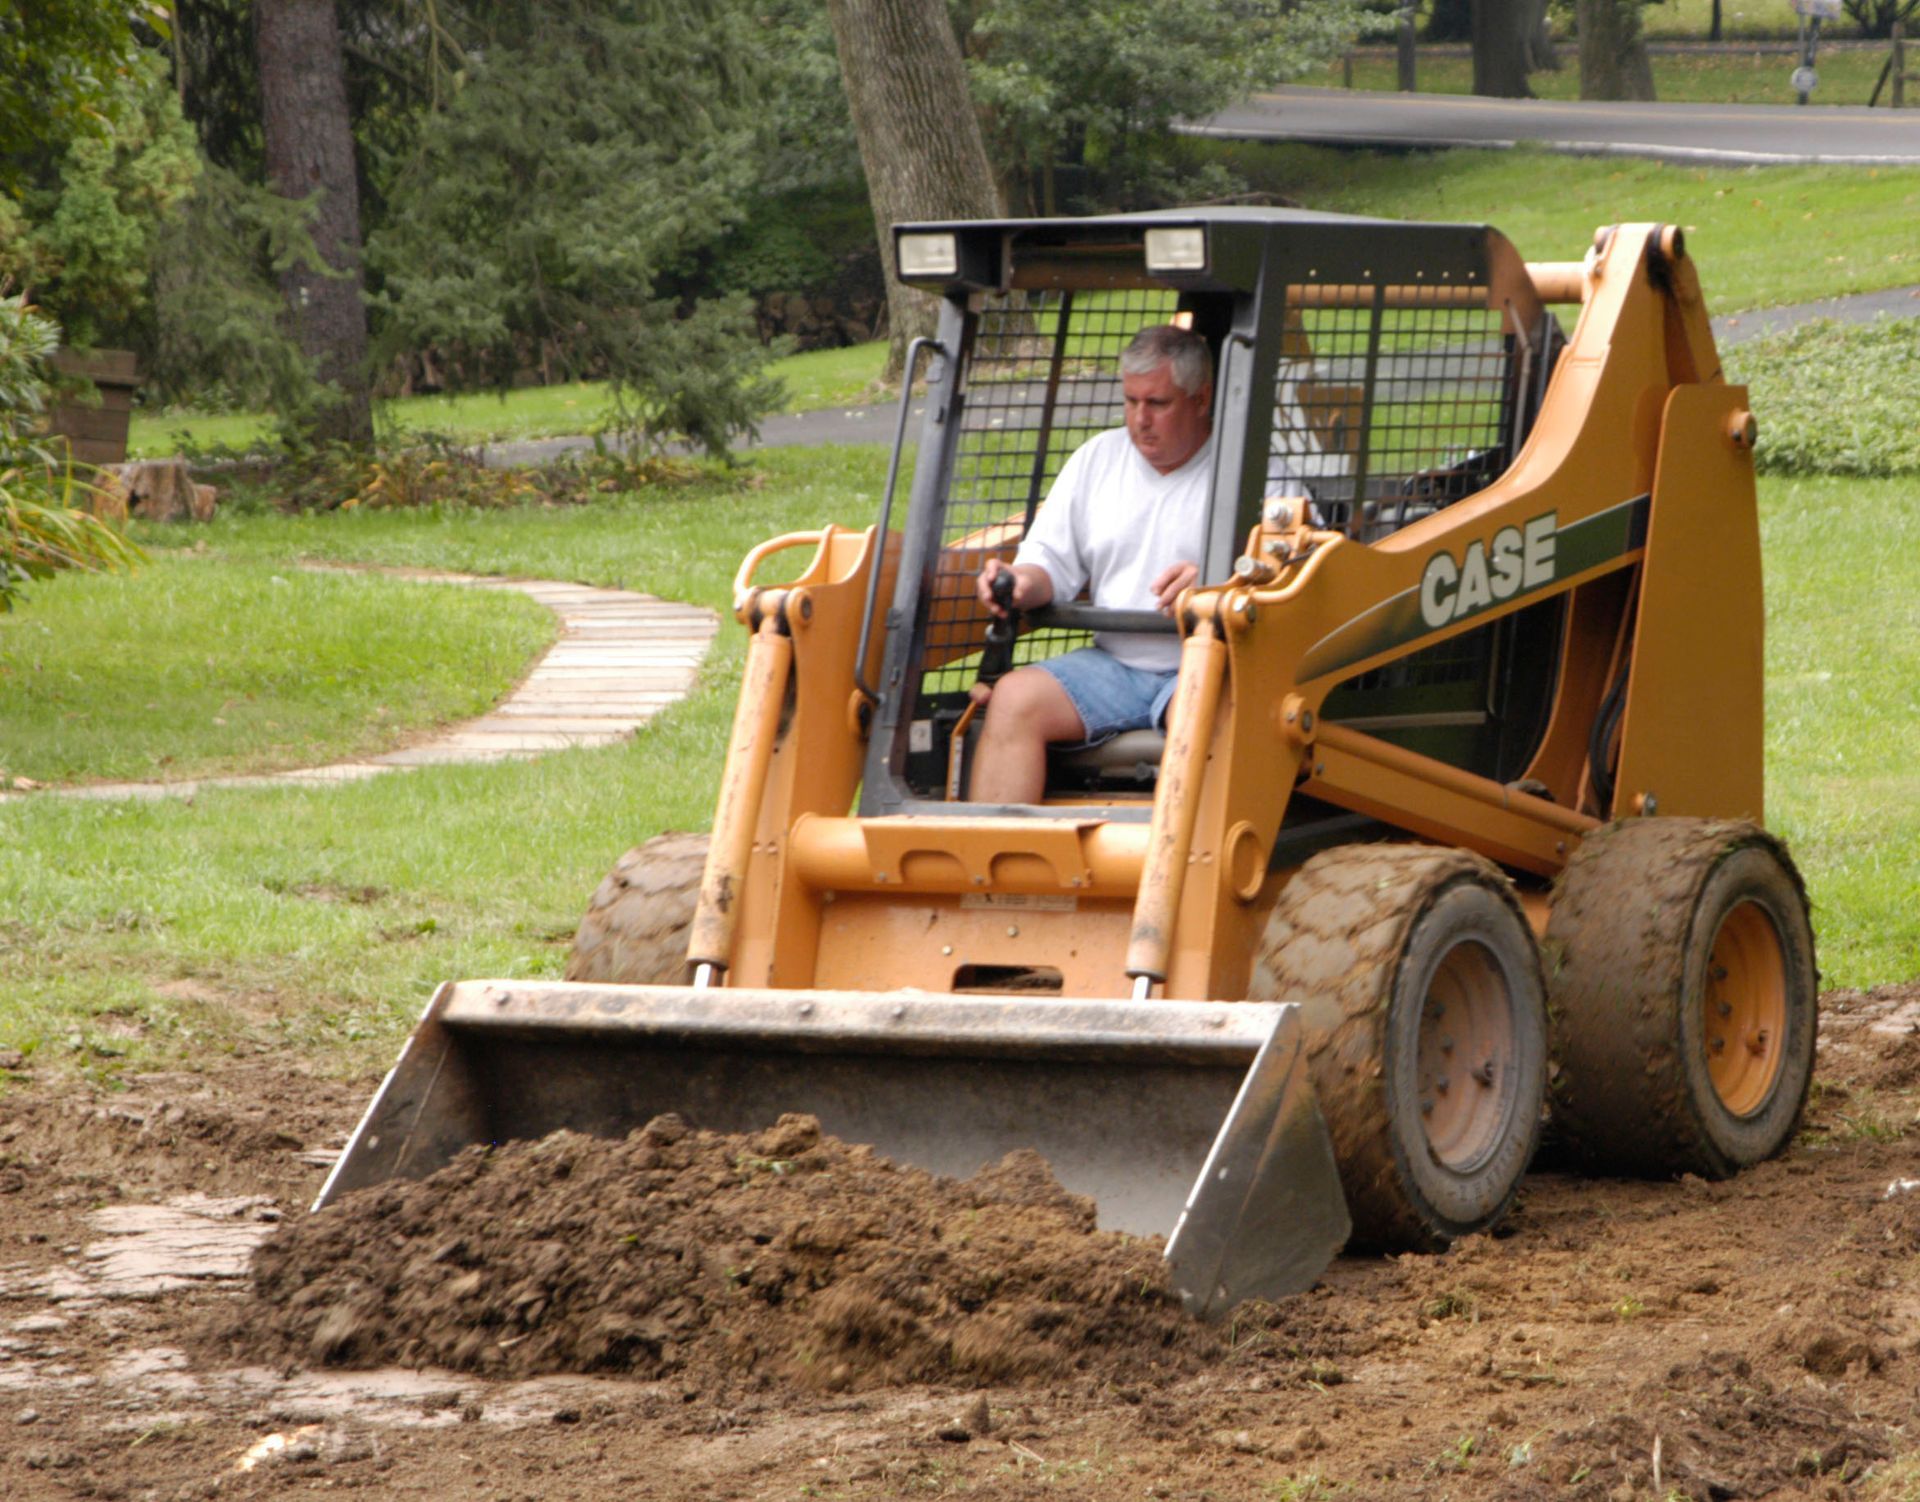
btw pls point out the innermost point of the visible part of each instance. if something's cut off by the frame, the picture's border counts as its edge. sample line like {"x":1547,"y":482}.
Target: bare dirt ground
{"x":1759,"y":1338}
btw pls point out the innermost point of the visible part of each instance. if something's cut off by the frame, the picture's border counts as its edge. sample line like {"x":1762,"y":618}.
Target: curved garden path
{"x":619,"y":659}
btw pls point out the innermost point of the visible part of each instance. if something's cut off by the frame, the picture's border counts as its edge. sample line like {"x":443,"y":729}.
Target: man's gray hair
{"x":1182,"y":351}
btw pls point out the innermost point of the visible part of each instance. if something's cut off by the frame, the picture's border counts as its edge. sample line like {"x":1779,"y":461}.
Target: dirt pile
{"x":782,"y":1255}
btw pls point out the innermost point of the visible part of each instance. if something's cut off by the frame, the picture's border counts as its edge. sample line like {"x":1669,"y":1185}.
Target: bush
{"x":1835,"y":398}
{"x":43,"y":527}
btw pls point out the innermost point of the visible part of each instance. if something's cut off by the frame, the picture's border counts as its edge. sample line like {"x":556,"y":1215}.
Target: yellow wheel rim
{"x":1465,"y":1049}
{"x":1744,"y":1009}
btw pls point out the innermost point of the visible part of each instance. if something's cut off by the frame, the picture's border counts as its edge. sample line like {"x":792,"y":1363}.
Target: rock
{"x":953,"y":1434}
{"x":27,"y":1416}
{"x":12,"y":1058}
{"x":977,"y":1418}
{"x":338,"y":1446}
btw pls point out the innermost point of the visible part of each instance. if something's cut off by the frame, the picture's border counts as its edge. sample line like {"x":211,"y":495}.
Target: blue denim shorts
{"x":1109,"y":695}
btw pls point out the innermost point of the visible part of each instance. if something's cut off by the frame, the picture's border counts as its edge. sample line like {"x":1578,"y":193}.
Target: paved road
{"x":1736,"y":134}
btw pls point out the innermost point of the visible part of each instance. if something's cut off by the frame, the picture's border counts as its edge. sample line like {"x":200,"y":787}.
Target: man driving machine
{"x":1125,"y":522}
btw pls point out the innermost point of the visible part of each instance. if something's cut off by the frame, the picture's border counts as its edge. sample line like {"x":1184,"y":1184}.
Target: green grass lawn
{"x":1688,"y":20}
{"x":816,"y":379}
{"x":320,"y":918}
{"x":1846,"y":77}
{"x":198,"y":665}
{"x":1843,"y":712}
{"x":1762,"y":236}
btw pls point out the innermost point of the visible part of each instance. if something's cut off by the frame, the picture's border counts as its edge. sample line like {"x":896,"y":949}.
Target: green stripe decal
{"x":1523,"y":562}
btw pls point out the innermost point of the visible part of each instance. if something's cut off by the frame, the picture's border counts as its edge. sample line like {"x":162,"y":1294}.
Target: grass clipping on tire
{"x":777,"y":1256}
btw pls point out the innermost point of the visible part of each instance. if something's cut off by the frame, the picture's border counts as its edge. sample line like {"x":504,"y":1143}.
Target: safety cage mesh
{"x":1389,"y":403}
{"x":1042,"y":379}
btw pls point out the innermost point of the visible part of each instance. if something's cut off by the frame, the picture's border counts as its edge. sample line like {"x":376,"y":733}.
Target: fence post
{"x":1899,"y":65}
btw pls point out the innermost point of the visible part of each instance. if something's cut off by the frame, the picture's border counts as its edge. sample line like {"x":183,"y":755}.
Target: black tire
{"x":1425,"y":1015}
{"x":635,"y":929}
{"x":1685,"y":998}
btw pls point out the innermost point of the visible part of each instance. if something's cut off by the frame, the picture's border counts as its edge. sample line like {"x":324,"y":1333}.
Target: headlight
{"x":928,"y":255}
{"x":1176,"y":250}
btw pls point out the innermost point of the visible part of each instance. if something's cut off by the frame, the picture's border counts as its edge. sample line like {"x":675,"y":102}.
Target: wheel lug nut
{"x":1441,"y":1084}
{"x":1718,"y":972}
{"x":1723,"y":1008}
{"x":1446,"y":1044}
{"x":1426,"y":1108}
{"x":1484,"y":1074}
{"x":1717,"y":1045}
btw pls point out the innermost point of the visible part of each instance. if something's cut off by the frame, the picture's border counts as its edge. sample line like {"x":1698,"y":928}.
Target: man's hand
{"x":1168,"y":583}
{"x":1031,"y":586}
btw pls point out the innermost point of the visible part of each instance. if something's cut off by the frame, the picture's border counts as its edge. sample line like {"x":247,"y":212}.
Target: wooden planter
{"x":98,"y":434}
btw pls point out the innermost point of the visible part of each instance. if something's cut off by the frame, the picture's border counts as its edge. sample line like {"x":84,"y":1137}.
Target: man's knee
{"x":1030,"y":703}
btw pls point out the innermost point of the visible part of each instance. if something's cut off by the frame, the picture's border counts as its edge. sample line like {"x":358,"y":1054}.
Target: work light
{"x":928,"y":255}
{"x":1176,"y":250}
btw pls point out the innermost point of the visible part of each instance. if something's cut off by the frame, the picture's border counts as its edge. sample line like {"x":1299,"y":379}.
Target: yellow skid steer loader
{"x":1461,"y":790}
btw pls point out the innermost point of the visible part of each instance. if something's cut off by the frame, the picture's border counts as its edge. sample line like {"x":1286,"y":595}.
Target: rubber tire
{"x":1628,"y":946}
{"x":635,"y":928}
{"x":1356,"y":937}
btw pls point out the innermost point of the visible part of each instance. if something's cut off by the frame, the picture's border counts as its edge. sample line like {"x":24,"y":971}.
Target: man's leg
{"x":1028,"y":710}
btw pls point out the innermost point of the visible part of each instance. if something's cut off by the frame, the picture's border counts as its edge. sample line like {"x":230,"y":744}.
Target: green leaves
{"x":1835,"y":398}
{"x":43,"y":526}
{"x":563,"y":201}
{"x":1060,"y":82}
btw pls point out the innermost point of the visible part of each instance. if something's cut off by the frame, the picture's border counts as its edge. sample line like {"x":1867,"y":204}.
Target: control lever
{"x":996,"y":661}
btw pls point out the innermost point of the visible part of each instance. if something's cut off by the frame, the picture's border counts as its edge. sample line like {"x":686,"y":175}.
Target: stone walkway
{"x":620,"y":659}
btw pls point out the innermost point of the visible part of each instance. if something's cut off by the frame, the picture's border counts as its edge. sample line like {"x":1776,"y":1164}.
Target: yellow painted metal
{"x":814,"y":767}
{"x":1066,"y":945}
{"x":1744,"y":1009}
{"x":1690,"y":737}
{"x":1637,"y":389}
{"x":1190,"y":722}
{"x":756,"y":722}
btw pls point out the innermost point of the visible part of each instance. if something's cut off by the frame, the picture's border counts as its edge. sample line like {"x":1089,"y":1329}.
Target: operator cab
{"x":1382,"y":376}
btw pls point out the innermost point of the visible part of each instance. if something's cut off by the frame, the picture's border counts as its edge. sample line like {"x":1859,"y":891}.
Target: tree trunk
{"x":1613,"y":54}
{"x":309,"y":151}
{"x":1713,"y":30}
{"x":919,"y":139}
{"x":1500,"y":34}
{"x":1542,"y":56}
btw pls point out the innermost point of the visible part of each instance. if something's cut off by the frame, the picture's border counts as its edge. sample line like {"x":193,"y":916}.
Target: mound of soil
{"x":777,"y":1256}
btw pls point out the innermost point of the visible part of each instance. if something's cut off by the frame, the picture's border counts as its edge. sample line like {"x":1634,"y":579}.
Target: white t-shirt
{"x":1110,"y":525}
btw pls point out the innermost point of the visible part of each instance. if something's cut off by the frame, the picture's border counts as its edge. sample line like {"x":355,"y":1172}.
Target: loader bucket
{"x":1192,"y":1120}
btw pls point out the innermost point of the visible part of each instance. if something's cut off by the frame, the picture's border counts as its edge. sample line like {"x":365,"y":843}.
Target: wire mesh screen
{"x":1389,"y":403}
{"x":1043,"y":378}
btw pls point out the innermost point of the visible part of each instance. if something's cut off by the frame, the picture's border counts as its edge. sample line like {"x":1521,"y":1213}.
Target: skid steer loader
{"x":1457,"y":819}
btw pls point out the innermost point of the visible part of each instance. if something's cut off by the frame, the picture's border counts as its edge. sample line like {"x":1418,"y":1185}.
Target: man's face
{"x":1166,"y":424}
